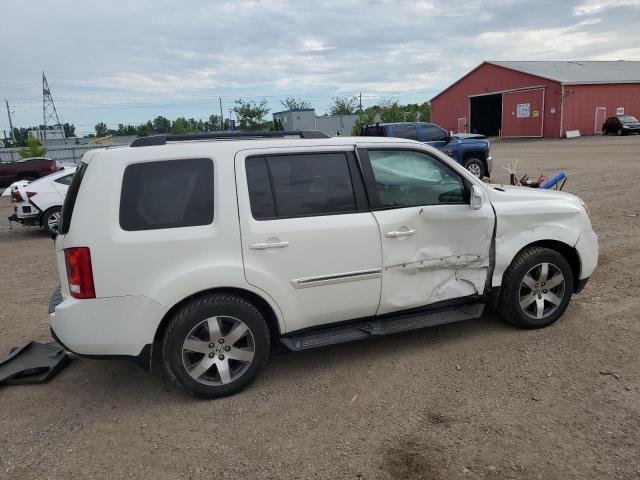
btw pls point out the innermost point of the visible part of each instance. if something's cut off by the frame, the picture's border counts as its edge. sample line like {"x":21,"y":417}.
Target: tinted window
{"x":433,"y":133}
{"x":260,"y":192}
{"x":405,"y":178}
{"x":405,"y":131}
{"x":300,"y":185}
{"x":66,"y":180}
{"x":70,"y":199}
{"x":168,"y":194}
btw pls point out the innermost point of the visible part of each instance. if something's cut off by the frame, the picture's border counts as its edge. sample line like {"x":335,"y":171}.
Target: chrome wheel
{"x":218,"y":350}
{"x":542,"y":290}
{"x":475,"y":169}
{"x":53,"y":221}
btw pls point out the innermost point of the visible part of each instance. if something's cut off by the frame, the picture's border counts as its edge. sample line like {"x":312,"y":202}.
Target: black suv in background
{"x":621,"y":125}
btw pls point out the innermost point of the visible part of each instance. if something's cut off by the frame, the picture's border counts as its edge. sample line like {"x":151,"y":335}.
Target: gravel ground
{"x":472,"y":400}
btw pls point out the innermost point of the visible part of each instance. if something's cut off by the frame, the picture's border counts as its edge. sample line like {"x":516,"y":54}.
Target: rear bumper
{"x":489,"y":166}
{"x":114,"y":327}
{"x":143,"y":360}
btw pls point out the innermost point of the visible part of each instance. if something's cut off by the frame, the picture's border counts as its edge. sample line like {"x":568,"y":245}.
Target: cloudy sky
{"x":126,"y":61}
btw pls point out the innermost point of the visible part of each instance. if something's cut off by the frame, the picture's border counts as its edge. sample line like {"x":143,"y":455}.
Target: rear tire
{"x":475,"y":166}
{"x":215,"y":345}
{"x":536,"y":288}
{"x":51,"y":220}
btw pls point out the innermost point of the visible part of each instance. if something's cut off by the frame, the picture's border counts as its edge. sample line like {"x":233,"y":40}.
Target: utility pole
{"x":221,"y":116}
{"x":13,"y":137}
{"x":360,"y":102}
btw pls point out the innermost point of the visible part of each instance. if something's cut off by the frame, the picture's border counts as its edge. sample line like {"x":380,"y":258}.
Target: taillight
{"x":15,"y":196}
{"x":79,"y":273}
{"x":30,"y":194}
{"x":53,"y":167}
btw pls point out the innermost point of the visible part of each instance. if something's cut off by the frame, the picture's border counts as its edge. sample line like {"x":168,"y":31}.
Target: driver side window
{"x":406,"y":178}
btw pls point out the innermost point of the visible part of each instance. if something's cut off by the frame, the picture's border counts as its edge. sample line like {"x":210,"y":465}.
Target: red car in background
{"x":26,"y":169}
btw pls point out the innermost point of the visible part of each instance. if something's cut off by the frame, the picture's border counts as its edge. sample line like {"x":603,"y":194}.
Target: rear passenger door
{"x":308,"y":237}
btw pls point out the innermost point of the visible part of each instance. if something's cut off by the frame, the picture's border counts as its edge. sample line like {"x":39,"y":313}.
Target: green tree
{"x":33,"y":149}
{"x":126,"y":129}
{"x":161,"y":124}
{"x":69,"y":130}
{"x":392,"y":111}
{"x":367,"y":117}
{"x":213,"y":123}
{"x":251,"y":114}
{"x":180,"y":126}
{"x":101,"y":129}
{"x":292,"y":103}
{"x":343,"y":106}
{"x":144,"y":129}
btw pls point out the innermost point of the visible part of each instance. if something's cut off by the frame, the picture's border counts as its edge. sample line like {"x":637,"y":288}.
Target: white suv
{"x":212,"y":248}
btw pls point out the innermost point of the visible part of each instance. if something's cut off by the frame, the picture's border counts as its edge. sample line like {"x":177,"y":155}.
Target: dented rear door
{"x":434,"y":245}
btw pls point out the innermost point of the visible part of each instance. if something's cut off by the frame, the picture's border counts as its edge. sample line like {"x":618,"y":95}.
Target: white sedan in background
{"x":39,"y":203}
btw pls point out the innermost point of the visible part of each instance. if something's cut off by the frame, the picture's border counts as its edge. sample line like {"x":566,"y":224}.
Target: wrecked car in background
{"x":211,"y":251}
{"x":39,"y":203}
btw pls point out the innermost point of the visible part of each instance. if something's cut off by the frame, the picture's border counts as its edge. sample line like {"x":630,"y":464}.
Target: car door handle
{"x":399,"y":233}
{"x":265,"y":245}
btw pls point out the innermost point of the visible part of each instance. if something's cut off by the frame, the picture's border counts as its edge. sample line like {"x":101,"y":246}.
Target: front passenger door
{"x":435,"y":247}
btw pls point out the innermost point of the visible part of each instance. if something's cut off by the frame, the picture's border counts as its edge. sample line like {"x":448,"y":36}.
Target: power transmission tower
{"x":49,"y":113}
{"x":13,"y":137}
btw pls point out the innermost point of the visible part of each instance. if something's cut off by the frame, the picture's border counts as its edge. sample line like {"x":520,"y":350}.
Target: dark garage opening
{"x":486,"y":114}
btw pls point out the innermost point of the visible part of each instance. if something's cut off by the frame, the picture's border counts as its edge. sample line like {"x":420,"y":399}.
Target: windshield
{"x":628,"y":119}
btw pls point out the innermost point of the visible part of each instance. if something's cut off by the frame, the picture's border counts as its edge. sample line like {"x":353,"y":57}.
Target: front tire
{"x":475,"y":166}
{"x":536,"y":288}
{"x":620,"y":132}
{"x":215,"y":345}
{"x":51,"y":220}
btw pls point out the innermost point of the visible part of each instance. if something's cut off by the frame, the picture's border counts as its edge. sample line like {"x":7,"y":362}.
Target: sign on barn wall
{"x":523,"y":110}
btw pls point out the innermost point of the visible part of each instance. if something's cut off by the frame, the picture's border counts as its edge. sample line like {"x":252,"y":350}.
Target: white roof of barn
{"x":577,"y":72}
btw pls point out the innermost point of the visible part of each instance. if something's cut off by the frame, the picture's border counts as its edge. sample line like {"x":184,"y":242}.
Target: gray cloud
{"x":130,"y":60}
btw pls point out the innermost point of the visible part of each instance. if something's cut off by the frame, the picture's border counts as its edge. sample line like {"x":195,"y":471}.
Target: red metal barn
{"x":538,"y":99}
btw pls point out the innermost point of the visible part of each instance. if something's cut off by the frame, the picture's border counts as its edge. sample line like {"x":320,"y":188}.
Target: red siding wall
{"x":487,"y":78}
{"x":531,"y":126}
{"x":581,"y":101}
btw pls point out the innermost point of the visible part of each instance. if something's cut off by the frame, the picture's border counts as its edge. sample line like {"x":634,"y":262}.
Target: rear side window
{"x":287,"y":186}
{"x":405,"y":131}
{"x":70,"y":199}
{"x":66,"y":180}
{"x":167,"y":194}
{"x":433,"y":134}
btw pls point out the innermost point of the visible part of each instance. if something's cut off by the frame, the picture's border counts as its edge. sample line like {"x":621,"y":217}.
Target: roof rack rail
{"x":163,"y":138}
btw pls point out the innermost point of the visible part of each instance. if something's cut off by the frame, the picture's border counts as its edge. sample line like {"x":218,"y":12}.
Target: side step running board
{"x":368,"y":328}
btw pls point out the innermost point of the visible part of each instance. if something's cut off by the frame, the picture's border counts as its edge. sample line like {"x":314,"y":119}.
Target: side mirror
{"x":476,"y":198}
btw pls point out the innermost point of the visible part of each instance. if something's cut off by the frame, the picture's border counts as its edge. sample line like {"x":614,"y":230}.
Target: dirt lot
{"x":471,"y":400}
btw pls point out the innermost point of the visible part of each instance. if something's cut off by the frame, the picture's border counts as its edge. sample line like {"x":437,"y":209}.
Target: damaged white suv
{"x":213,"y":248}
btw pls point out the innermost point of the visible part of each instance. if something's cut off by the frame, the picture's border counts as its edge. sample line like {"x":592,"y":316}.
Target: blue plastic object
{"x":552,"y":181}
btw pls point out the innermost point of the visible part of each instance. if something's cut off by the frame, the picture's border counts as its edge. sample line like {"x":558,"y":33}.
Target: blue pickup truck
{"x":469,"y":150}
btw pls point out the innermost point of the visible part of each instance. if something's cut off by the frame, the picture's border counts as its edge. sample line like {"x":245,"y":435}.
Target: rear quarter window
{"x":167,"y":194}
{"x":70,"y":199}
